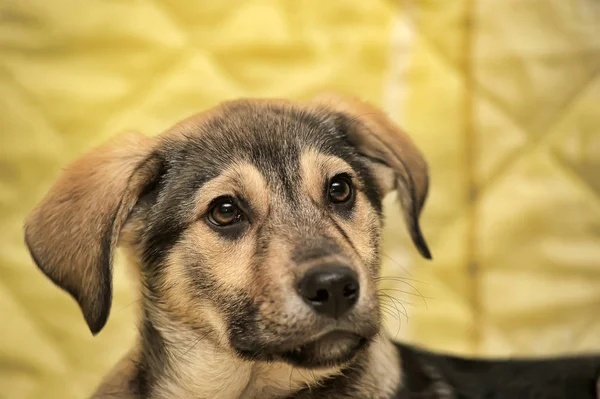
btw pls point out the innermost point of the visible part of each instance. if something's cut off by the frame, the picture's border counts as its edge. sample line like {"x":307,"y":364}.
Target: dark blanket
{"x":428,"y":375}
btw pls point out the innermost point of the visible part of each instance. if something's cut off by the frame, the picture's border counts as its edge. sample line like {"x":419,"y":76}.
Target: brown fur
{"x":220,"y":312}
{"x":77,"y":224}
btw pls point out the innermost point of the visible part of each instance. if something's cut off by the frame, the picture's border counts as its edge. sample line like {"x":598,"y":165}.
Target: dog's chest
{"x":207,"y":373}
{"x":205,"y":377}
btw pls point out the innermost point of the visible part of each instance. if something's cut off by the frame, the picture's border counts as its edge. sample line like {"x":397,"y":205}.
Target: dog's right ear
{"x":73,"y":232}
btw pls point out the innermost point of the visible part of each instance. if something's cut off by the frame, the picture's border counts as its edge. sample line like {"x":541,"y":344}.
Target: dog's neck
{"x":176,"y":361}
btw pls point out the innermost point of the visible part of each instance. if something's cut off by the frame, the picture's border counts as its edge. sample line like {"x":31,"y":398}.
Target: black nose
{"x":330,"y":290}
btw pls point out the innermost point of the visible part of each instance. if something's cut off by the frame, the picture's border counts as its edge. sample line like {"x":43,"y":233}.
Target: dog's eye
{"x":224,"y":212}
{"x":340,"y":189}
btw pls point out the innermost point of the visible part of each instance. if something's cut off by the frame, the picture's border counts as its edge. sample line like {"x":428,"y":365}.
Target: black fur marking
{"x":140,"y":384}
{"x":370,"y":188}
{"x":201,"y":277}
{"x":242,"y":316}
{"x":150,"y":190}
{"x":231,"y":232}
{"x":261,"y":247}
{"x":153,"y":358}
{"x":161,"y":238}
{"x":343,"y":234}
{"x":97,"y":321}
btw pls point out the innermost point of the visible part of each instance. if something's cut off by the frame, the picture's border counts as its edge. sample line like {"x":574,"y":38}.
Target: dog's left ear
{"x":377,"y":138}
{"x":73,"y":232}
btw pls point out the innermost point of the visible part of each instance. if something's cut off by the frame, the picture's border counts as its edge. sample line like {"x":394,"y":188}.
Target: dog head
{"x":257,"y":223}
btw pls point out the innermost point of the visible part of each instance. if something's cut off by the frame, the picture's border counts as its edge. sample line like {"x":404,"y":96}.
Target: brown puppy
{"x":256,"y":230}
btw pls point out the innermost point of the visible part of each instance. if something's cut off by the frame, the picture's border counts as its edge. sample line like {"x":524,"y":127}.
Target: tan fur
{"x":91,"y":198}
{"x":116,"y":383}
{"x":382,"y":359}
{"x":206,"y":371}
{"x":318,"y":168}
{"x":98,"y":202}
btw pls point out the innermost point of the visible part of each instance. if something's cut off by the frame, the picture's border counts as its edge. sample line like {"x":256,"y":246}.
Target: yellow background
{"x":503,"y":97}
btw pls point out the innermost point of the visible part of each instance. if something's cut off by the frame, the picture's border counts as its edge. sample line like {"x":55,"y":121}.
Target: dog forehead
{"x":253,"y":123}
{"x":271,"y":135}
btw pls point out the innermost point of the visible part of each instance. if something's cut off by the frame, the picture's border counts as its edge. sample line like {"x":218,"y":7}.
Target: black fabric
{"x":558,"y":378}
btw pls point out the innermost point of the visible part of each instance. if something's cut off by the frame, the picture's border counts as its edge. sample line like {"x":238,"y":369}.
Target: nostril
{"x":350,"y":290}
{"x":321,"y":295}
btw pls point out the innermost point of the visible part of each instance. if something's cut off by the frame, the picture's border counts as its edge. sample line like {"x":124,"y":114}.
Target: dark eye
{"x":224,"y":212}
{"x":340,"y":189}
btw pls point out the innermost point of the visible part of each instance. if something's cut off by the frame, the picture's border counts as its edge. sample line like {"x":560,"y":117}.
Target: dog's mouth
{"x":331,"y":349}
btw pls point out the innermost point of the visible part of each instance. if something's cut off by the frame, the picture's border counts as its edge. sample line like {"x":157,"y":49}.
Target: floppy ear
{"x":73,"y":231}
{"x":376,"y":137}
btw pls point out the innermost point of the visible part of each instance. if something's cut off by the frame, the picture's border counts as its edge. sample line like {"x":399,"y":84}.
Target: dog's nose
{"x":330,"y":290}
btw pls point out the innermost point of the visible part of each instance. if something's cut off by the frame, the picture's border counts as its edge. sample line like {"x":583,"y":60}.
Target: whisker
{"x":399,"y":318}
{"x":194,"y":345}
{"x":389,"y":311}
{"x":405,"y":292}
{"x":398,"y":278}
{"x":394,"y":301}
{"x":129,"y":304}
{"x":404,"y":268}
{"x":406,"y":303}
{"x":414,"y":288}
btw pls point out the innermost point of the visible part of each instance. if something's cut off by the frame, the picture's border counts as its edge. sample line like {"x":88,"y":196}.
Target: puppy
{"x":255,"y":228}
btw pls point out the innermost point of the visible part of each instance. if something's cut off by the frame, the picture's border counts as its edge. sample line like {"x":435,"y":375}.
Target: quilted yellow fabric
{"x":502,"y":96}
